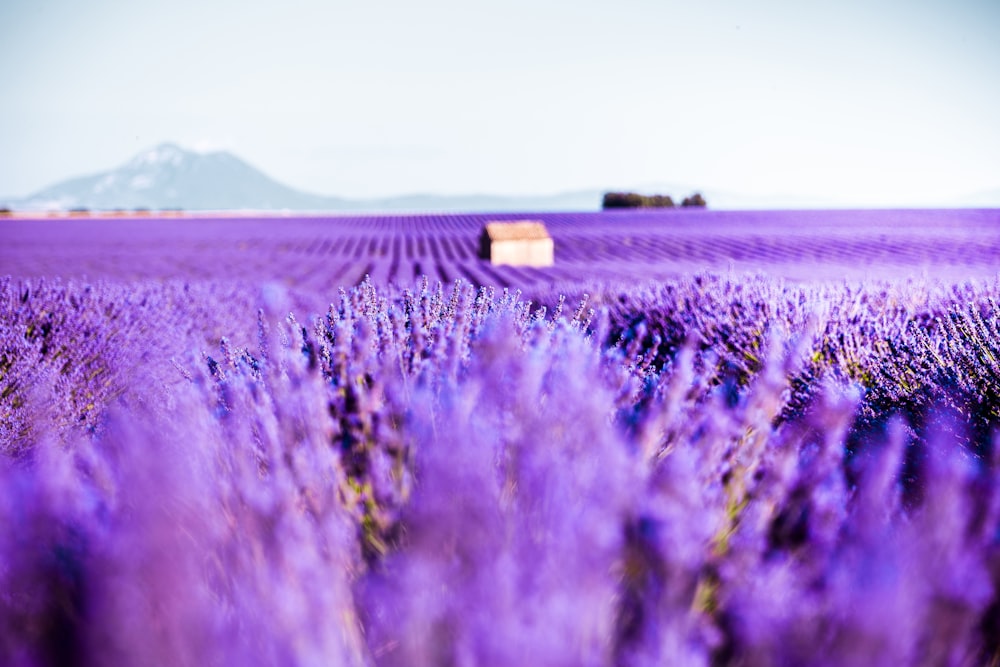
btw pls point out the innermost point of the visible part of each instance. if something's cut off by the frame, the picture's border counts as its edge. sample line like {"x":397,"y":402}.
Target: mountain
{"x":170,"y":177}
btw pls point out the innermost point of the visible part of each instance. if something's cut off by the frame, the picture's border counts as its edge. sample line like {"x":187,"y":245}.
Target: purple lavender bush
{"x":700,"y":472}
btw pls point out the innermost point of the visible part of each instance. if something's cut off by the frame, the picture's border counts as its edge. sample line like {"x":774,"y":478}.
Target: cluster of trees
{"x":695,"y":200}
{"x":635,"y":200}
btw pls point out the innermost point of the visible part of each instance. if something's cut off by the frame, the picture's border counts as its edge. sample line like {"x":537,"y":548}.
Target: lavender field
{"x":320,"y":254}
{"x":700,"y":438}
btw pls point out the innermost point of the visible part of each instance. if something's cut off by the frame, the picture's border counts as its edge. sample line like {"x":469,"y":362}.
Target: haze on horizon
{"x":864,"y":103}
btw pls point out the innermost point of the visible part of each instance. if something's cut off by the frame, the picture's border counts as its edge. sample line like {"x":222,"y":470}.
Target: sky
{"x":868,"y":102}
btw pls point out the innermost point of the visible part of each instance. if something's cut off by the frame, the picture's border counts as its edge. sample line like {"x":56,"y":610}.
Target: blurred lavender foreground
{"x":705,"y":471}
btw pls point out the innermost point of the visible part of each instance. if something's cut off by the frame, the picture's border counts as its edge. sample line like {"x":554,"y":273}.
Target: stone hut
{"x":517,"y":243}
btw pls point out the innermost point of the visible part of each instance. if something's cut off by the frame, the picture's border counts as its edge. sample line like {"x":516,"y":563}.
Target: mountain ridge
{"x":168,"y":177}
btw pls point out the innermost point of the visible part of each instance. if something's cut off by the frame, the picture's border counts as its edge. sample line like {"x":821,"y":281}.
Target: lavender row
{"x":70,"y":349}
{"x":706,"y":471}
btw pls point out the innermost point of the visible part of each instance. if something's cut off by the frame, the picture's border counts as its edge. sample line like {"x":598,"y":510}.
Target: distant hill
{"x":986,"y":199}
{"x":170,"y":177}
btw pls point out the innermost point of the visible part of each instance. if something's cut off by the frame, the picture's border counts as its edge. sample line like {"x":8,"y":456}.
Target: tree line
{"x":635,"y":200}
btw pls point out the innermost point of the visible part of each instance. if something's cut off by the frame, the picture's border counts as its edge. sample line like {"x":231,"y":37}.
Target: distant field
{"x":319,"y":254}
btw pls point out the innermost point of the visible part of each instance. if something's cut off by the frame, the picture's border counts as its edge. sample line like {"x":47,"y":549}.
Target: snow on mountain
{"x":164,"y":154}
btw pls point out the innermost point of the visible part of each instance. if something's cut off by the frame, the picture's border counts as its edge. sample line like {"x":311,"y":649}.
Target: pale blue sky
{"x":872,"y":102}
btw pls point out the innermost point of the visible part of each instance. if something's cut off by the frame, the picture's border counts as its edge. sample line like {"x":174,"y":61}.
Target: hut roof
{"x":518,"y":230}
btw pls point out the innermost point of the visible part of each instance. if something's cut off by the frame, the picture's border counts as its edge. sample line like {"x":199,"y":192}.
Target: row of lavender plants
{"x":703,"y":472}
